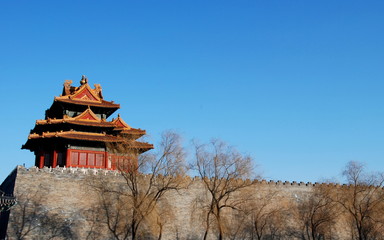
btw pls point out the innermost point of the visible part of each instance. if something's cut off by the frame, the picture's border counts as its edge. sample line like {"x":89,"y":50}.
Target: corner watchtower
{"x":76,"y":132}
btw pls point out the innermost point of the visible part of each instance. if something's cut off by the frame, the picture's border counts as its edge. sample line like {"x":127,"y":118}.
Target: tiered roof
{"x":80,"y":114}
{"x":84,"y":95}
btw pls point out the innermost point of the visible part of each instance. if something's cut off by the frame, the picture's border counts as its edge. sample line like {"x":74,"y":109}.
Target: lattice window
{"x":87,"y":159}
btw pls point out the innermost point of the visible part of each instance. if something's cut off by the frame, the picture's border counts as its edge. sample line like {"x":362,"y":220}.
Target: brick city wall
{"x":63,"y":199}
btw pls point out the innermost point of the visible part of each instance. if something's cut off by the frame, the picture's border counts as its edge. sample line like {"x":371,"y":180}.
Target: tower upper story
{"x":75,"y":100}
{"x":76,"y":132}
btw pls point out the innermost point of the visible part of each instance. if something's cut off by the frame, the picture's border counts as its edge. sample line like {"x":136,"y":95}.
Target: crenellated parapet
{"x":188,"y":179}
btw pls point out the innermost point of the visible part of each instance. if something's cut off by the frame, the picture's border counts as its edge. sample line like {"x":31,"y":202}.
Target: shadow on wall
{"x":7,"y":200}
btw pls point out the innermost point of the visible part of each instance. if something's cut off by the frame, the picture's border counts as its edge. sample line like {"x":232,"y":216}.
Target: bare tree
{"x":363,"y":200}
{"x":266,"y":216}
{"x":30,"y":218}
{"x":261,"y":216}
{"x":95,"y":222}
{"x":128,"y":206}
{"x":161,"y":216}
{"x":318,"y":213}
{"x":222,"y":169}
{"x":23,"y":219}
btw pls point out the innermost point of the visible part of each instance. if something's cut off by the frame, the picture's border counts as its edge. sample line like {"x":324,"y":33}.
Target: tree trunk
{"x":220,"y":226}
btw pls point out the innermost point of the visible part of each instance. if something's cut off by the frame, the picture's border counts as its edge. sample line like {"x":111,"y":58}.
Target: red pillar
{"x":41,"y":163}
{"x":68,"y":158}
{"x":54,"y":160}
{"x":106,"y":160}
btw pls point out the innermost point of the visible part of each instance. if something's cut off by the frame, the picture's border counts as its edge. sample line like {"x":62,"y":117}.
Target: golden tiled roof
{"x":87,"y":136}
{"x":102,"y":103}
{"x":84,"y":95}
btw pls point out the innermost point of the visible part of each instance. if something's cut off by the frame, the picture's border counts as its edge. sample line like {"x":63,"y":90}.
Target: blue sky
{"x":296,"y":84}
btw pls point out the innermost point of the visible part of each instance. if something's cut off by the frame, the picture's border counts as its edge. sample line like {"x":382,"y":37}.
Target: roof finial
{"x":83,"y":80}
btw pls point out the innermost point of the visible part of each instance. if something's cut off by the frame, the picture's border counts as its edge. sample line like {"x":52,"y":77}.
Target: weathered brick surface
{"x":66,"y":195}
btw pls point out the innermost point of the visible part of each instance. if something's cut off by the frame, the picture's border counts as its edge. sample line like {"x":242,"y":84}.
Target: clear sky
{"x":296,"y":84}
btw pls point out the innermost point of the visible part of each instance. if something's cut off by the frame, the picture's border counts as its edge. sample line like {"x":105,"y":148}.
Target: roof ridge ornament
{"x":83,"y":80}
{"x":67,"y":87}
{"x":98,"y":90}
